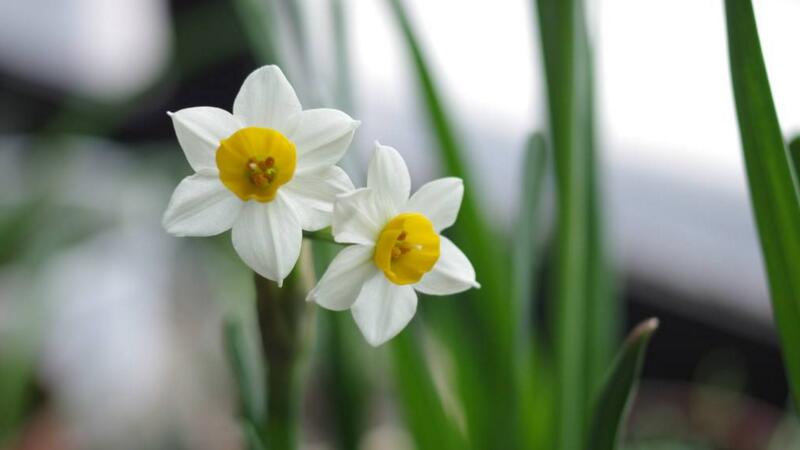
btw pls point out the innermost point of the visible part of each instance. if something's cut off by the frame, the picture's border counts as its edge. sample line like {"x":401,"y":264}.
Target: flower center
{"x":254,"y":162}
{"x":407,"y":248}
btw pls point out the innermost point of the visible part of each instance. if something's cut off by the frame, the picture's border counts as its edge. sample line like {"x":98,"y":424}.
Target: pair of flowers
{"x":268,"y":172}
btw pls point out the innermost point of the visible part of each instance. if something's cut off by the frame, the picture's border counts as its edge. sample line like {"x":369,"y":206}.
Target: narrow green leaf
{"x":525,"y":271}
{"x":257,"y":18}
{"x":614,"y":400}
{"x":486,"y":257}
{"x":16,"y":375}
{"x":485,"y":357}
{"x":250,"y":396}
{"x":773,"y":186}
{"x":527,"y":226}
{"x":252,"y":438}
{"x":794,"y":153}
{"x":603,"y":311}
{"x":425,"y":415}
{"x":566,"y":61}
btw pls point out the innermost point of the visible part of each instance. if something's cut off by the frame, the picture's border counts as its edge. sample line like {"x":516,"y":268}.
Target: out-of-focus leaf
{"x":613,"y":402}
{"x":603,"y":311}
{"x":794,"y":153}
{"x":486,"y":256}
{"x":581,"y":324}
{"x":347,"y":387}
{"x":252,"y":438}
{"x":527,"y":227}
{"x":482,"y":338}
{"x":257,"y":18}
{"x":773,"y":186}
{"x":16,"y":372}
{"x":247,"y":379}
{"x":343,"y":89}
{"x":525,"y":265}
{"x":425,"y":415}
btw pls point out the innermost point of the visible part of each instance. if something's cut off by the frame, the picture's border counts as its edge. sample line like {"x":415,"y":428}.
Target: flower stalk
{"x":283,"y":318}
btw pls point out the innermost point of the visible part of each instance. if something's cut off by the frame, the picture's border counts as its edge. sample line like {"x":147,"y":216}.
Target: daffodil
{"x":267,"y":171}
{"x":398,"y":248}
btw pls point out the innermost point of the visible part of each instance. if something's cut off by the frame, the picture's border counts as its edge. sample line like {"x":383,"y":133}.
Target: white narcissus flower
{"x":266,"y":171}
{"x":398,"y":248}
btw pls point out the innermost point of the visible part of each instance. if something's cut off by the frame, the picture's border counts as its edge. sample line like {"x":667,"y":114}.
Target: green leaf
{"x":773,"y":185}
{"x":486,"y":257}
{"x":614,"y":400}
{"x":486,"y":323}
{"x":16,"y":375}
{"x":794,"y":154}
{"x":525,"y":271}
{"x":425,"y":415}
{"x":257,"y":18}
{"x":247,"y":379}
{"x":527,"y":226}
{"x":603,"y":309}
{"x":252,"y":438}
{"x":582,"y":319}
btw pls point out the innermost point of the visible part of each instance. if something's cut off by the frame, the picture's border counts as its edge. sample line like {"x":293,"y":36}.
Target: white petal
{"x":312,"y":195}
{"x":199,"y":131}
{"x":439,"y":201}
{"x":356,"y":219}
{"x":266,"y":99}
{"x":340,"y":285}
{"x":388,"y":177}
{"x":321,"y":136}
{"x":452,"y":273}
{"x":267,"y":236}
{"x":383,"y":309}
{"x":201,"y":206}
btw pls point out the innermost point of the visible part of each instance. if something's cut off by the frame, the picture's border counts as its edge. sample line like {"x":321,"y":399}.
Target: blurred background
{"x":110,"y":330}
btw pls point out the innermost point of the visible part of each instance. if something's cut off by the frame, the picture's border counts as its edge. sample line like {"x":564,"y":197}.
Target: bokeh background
{"x":110,"y":330}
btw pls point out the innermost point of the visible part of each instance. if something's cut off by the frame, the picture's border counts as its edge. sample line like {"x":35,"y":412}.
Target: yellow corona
{"x":254,"y":162}
{"x":407,"y":248}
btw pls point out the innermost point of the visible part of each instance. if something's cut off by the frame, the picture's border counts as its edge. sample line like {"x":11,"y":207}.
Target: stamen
{"x":262,"y":173}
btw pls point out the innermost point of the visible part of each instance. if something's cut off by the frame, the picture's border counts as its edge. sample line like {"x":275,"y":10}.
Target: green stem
{"x":282,"y":318}
{"x":321,"y":235}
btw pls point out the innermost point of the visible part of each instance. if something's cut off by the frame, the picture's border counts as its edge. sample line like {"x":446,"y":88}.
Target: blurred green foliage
{"x":773,"y":182}
{"x":514,"y":386}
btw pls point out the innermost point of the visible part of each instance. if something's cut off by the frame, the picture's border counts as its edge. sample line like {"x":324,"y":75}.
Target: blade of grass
{"x":614,"y":400}
{"x":773,"y":186}
{"x":566,"y":69}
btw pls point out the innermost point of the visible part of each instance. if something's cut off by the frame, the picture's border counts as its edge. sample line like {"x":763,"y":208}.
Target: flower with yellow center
{"x":398,"y":248}
{"x":267,"y":171}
